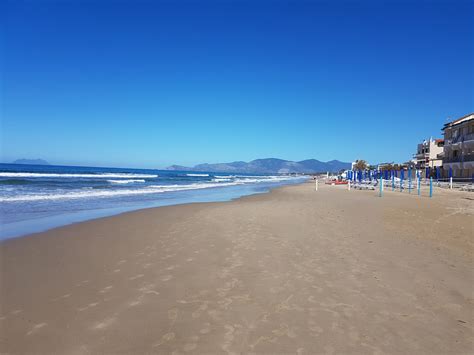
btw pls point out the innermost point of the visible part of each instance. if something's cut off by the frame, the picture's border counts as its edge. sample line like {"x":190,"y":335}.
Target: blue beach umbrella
{"x":450,"y":172}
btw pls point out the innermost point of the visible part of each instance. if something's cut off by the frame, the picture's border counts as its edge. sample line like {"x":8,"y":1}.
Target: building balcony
{"x":459,"y":139}
{"x":460,"y":159}
{"x":420,"y":156}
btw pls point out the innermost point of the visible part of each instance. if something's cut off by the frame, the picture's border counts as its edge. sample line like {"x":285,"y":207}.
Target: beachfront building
{"x":458,"y":154}
{"x":427,"y":154}
{"x":385,"y":166}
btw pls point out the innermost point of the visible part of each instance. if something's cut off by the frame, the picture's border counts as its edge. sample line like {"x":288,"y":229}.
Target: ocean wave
{"x":221,"y":179}
{"x":258,"y":179}
{"x":16,"y":182}
{"x":197,"y":175}
{"x":152,"y":189}
{"x":131,"y":181}
{"x":66,"y":175}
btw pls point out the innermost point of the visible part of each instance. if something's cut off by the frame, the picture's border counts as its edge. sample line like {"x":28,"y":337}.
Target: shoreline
{"x":45,"y":224}
{"x":291,"y":270}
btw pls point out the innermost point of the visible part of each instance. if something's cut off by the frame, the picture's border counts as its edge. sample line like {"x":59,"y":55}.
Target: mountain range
{"x":268,"y":166}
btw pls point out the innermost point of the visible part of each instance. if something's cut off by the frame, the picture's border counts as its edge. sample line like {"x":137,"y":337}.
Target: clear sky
{"x":150,"y":83}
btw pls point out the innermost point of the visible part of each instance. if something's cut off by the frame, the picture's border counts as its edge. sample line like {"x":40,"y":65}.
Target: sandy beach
{"x":291,"y":271}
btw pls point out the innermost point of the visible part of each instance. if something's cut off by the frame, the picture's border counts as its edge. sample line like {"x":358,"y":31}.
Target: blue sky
{"x":150,"y":83}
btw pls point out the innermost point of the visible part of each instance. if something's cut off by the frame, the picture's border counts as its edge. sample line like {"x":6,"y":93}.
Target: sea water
{"x":35,"y":198}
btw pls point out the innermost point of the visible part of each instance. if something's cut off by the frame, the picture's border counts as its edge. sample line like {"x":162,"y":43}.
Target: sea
{"x":35,"y":198}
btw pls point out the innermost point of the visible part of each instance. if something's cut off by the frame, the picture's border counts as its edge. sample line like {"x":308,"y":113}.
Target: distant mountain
{"x":269,"y":166}
{"x":31,"y":162}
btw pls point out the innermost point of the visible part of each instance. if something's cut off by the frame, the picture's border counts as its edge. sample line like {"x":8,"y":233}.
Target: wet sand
{"x":291,"y":271}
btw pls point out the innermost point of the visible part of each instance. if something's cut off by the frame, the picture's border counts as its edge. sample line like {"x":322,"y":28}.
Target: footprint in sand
{"x":82,"y":283}
{"x":135,"y":303}
{"x":166,"y":278}
{"x":168,"y":336}
{"x":284,"y":330}
{"x":198,"y":312}
{"x":104,"y":324}
{"x":165,"y":338}
{"x":61,"y":297}
{"x":148,"y":289}
{"x":90,"y":305}
{"x":206,"y":329}
{"x":312,"y":299}
{"x":105,"y":289}
{"x":173,"y":314}
{"x":316,"y":329}
{"x":229,"y":337}
{"x":152,"y":292}
{"x":36,"y":327}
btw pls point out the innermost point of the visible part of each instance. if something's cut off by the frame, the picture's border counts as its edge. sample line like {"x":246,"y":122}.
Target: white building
{"x":427,"y":154}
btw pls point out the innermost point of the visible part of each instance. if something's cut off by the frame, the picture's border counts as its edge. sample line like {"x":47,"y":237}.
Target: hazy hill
{"x":268,"y":166}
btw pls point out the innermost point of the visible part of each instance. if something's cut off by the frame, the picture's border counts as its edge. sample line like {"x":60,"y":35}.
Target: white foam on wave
{"x":221,"y":179}
{"x":197,"y":175}
{"x":93,"y":176}
{"x":257,"y":179}
{"x":152,"y":189}
{"x":131,"y":181}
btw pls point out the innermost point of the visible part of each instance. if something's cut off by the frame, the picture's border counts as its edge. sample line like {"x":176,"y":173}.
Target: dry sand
{"x":292,"y":271}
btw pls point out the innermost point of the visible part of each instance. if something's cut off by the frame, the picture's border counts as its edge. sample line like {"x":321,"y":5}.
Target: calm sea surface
{"x":35,"y":198}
